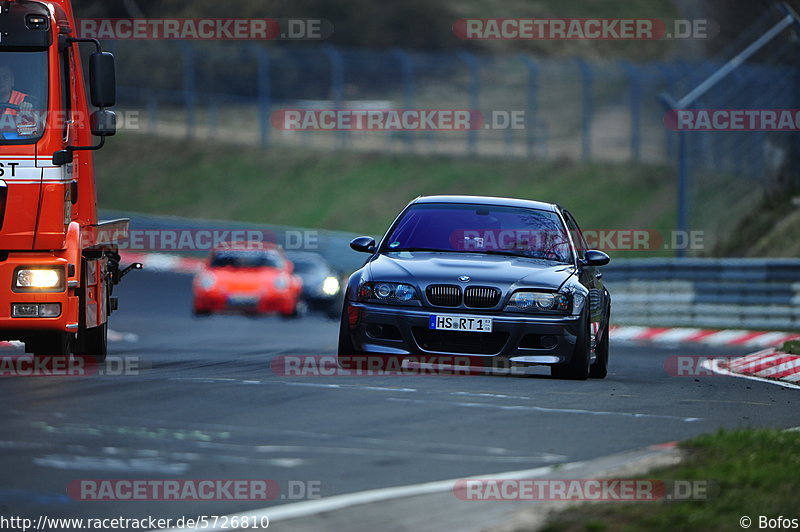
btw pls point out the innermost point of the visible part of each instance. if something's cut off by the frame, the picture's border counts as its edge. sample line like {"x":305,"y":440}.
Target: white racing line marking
{"x":285,"y":512}
{"x":713,"y":365}
{"x":97,"y":463}
{"x":212,"y":380}
{"x":356,"y":386}
{"x":545,"y":409}
{"x":447,"y":455}
{"x":117,"y":336}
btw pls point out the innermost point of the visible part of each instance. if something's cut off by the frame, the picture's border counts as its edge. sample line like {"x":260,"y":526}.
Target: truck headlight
{"x":532,"y":301}
{"x":330,"y":286}
{"x":39,"y":279}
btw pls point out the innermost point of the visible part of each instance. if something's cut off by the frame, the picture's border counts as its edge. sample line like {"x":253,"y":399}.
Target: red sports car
{"x":248,"y":278}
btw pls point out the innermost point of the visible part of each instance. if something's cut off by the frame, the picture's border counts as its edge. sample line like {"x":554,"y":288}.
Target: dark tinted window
{"x":480,"y":229}
{"x":247,"y":259}
{"x":23,"y":96}
{"x":577,"y":234}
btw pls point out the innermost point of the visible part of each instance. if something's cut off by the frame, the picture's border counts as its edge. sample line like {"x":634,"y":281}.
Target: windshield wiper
{"x":437,"y":250}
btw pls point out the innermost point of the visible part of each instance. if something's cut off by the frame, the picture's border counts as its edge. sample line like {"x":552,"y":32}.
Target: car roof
{"x":306,"y":256}
{"x":489,"y":200}
{"x":252,"y":245}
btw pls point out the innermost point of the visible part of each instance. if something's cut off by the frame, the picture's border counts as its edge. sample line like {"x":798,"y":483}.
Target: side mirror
{"x":62,"y":157}
{"x":102,"y":79}
{"x":363,"y":244}
{"x":103,"y":123}
{"x":594,"y":257}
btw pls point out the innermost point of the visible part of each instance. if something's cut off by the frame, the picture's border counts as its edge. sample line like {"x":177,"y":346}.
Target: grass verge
{"x":792,"y":347}
{"x":756,"y":472}
{"x":362,"y":192}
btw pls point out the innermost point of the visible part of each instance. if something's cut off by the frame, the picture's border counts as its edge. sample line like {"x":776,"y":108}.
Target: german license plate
{"x":242,"y":301}
{"x":445,"y":322}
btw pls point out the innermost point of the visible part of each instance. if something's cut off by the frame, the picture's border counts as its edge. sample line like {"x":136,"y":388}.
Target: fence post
{"x":533,"y":101}
{"x":667,"y":72}
{"x":635,"y":75}
{"x":586,"y":125}
{"x":337,"y":83}
{"x":409,"y":87}
{"x":474,"y":95}
{"x":213,"y":119}
{"x":264,"y":92}
{"x":683,"y":180}
{"x":189,"y":93}
{"x":152,"y":110}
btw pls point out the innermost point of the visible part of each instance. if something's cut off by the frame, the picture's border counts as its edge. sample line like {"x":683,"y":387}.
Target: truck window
{"x":23,"y":96}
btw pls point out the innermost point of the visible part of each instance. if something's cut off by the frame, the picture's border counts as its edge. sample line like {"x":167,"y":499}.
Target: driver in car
{"x":14,"y":100}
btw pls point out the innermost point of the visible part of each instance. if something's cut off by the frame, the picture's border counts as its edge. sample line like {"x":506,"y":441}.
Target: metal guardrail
{"x":727,"y":293}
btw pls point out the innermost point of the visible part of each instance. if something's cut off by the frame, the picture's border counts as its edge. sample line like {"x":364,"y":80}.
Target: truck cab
{"x":58,"y":263}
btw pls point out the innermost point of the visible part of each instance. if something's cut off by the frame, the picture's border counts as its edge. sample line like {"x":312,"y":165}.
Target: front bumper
{"x":396,"y":331}
{"x":280,"y":302}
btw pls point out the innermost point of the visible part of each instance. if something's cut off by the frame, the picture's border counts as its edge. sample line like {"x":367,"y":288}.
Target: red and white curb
{"x":768,"y":365}
{"x":163,"y":262}
{"x":726,"y":337}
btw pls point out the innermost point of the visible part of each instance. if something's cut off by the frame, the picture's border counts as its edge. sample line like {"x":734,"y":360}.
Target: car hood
{"x":424,"y":268}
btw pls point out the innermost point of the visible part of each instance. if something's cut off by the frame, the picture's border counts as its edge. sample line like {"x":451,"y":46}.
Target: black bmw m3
{"x":498,"y":281}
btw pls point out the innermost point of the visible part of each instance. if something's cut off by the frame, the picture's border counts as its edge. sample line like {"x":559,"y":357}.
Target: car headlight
{"x":281,"y":282}
{"x":387,"y":292}
{"x":330,"y":286}
{"x":39,"y":278}
{"x":532,"y":301}
{"x":206,"y":281}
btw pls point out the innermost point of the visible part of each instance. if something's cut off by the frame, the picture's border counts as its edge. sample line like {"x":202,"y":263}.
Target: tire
{"x":201,"y":313}
{"x":95,"y":343}
{"x":599,"y":369}
{"x":345,"y":350}
{"x":578,"y":367}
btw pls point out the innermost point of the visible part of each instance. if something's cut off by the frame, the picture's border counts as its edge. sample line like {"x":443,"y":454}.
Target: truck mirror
{"x":102,"y":79}
{"x":103,"y":123}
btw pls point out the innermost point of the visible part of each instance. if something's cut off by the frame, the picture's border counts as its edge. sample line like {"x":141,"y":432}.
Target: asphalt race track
{"x":206,"y":404}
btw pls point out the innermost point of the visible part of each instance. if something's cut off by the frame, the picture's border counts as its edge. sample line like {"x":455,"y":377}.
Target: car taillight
{"x":353,"y":315}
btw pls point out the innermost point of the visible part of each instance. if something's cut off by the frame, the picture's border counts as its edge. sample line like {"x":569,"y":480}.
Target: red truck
{"x":58,"y":263}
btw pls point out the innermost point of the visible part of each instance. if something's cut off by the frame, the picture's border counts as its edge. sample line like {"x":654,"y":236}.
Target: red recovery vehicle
{"x":58,"y":263}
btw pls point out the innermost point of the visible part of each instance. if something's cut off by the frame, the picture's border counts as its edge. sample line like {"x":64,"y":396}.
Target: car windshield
{"x":303,"y":265}
{"x":247,"y":259}
{"x":23,"y":96}
{"x":487,"y":229}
